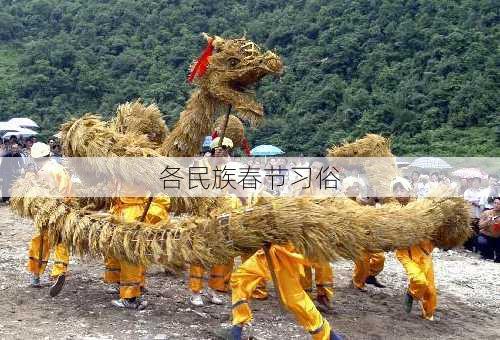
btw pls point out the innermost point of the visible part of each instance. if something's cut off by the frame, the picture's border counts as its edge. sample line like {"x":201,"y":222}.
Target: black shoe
{"x":56,"y":288}
{"x":408,"y":303}
{"x":336,"y":336}
{"x":324,"y":304}
{"x":372,"y":280}
{"x":233,"y":333}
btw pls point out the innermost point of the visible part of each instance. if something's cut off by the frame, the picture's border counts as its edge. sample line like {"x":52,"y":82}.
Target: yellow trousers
{"x":323,"y":276}
{"x":260,"y":292}
{"x":130,"y":277}
{"x":417,"y":262}
{"x":288,"y":268}
{"x":370,"y":264}
{"x":220,"y":275}
{"x":38,"y":258}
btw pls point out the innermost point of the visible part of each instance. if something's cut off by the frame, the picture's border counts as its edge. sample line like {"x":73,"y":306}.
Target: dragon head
{"x":233,"y":68}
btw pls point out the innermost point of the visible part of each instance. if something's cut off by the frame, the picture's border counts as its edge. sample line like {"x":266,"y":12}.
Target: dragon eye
{"x":233,"y":62}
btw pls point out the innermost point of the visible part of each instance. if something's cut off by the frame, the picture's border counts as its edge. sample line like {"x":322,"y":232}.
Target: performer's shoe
{"x":56,"y":288}
{"x":196,"y":300}
{"x":361,"y":289}
{"x":125,"y":303}
{"x":141,"y":303}
{"x":430,"y":317}
{"x":233,"y":333}
{"x":336,"y":336}
{"x":213,"y":297}
{"x":236,"y":332}
{"x":260,"y":293}
{"x":35,"y":282}
{"x":408,"y":302}
{"x":324,"y":304}
{"x":372,"y":280}
{"x":114,"y":288}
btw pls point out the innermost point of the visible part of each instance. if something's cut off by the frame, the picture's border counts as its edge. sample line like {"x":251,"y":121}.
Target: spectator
{"x":27,"y":147}
{"x":488,"y":240}
{"x":462,"y":186}
{"x":52,"y":144}
{"x":433,"y":182}
{"x":56,"y":153}
{"x":423,"y":186}
{"x":489,"y":191}
{"x":473,"y":196}
{"x":414,"y":183}
{"x":10,"y":168}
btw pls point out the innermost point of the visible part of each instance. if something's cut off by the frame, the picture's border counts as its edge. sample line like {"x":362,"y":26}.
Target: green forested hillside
{"x":426,"y":72}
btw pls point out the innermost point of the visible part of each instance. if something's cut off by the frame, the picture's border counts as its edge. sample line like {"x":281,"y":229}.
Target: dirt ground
{"x":468,"y":307}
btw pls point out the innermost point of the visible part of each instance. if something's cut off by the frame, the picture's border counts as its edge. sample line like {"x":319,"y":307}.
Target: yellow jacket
{"x":132,"y":208}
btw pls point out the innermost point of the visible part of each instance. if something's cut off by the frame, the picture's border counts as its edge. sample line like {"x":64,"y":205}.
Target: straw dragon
{"x":332,"y":229}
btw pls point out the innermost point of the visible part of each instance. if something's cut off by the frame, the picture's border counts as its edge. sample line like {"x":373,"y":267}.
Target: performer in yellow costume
{"x":219,"y":273}
{"x":54,"y":175}
{"x":323,"y":277}
{"x":289,"y":267}
{"x":369,"y":265}
{"x":417,"y":262}
{"x":323,"y":272}
{"x":131,"y":277}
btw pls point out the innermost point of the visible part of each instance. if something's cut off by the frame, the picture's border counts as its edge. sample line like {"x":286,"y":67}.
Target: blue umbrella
{"x":206,"y":143}
{"x":266,"y":150}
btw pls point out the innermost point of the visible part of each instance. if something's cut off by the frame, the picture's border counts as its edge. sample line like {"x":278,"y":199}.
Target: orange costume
{"x":220,"y":274}
{"x":417,"y":261}
{"x":131,"y":277}
{"x":55,"y":176}
{"x":370,"y":264}
{"x":289,"y":268}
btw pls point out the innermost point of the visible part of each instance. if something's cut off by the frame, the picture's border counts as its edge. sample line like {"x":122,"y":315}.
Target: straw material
{"x":379,"y":173}
{"x":331,"y":229}
{"x":232,"y":85}
{"x":234,"y":130}
{"x":195,"y":122}
{"x":137,"y":119}
{"x":91,"y":137}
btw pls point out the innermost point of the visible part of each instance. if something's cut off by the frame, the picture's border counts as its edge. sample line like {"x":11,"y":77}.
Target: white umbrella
{"x":23,"y":132}
{"x":24,"y":122}
{"x":470,"y":173}
{"x":430,"y":163}
{"x":7,"y":126}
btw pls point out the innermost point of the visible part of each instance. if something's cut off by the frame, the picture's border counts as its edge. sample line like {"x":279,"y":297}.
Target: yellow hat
{"x":226,"y":142}
{"x":39,"y":150}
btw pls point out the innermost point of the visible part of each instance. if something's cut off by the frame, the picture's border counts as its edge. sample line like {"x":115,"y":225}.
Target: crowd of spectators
{"x":16,"y":159}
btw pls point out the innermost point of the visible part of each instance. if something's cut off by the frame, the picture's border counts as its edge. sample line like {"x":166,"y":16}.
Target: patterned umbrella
{"x":470,"y":173}
{"x":430,"y":163}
